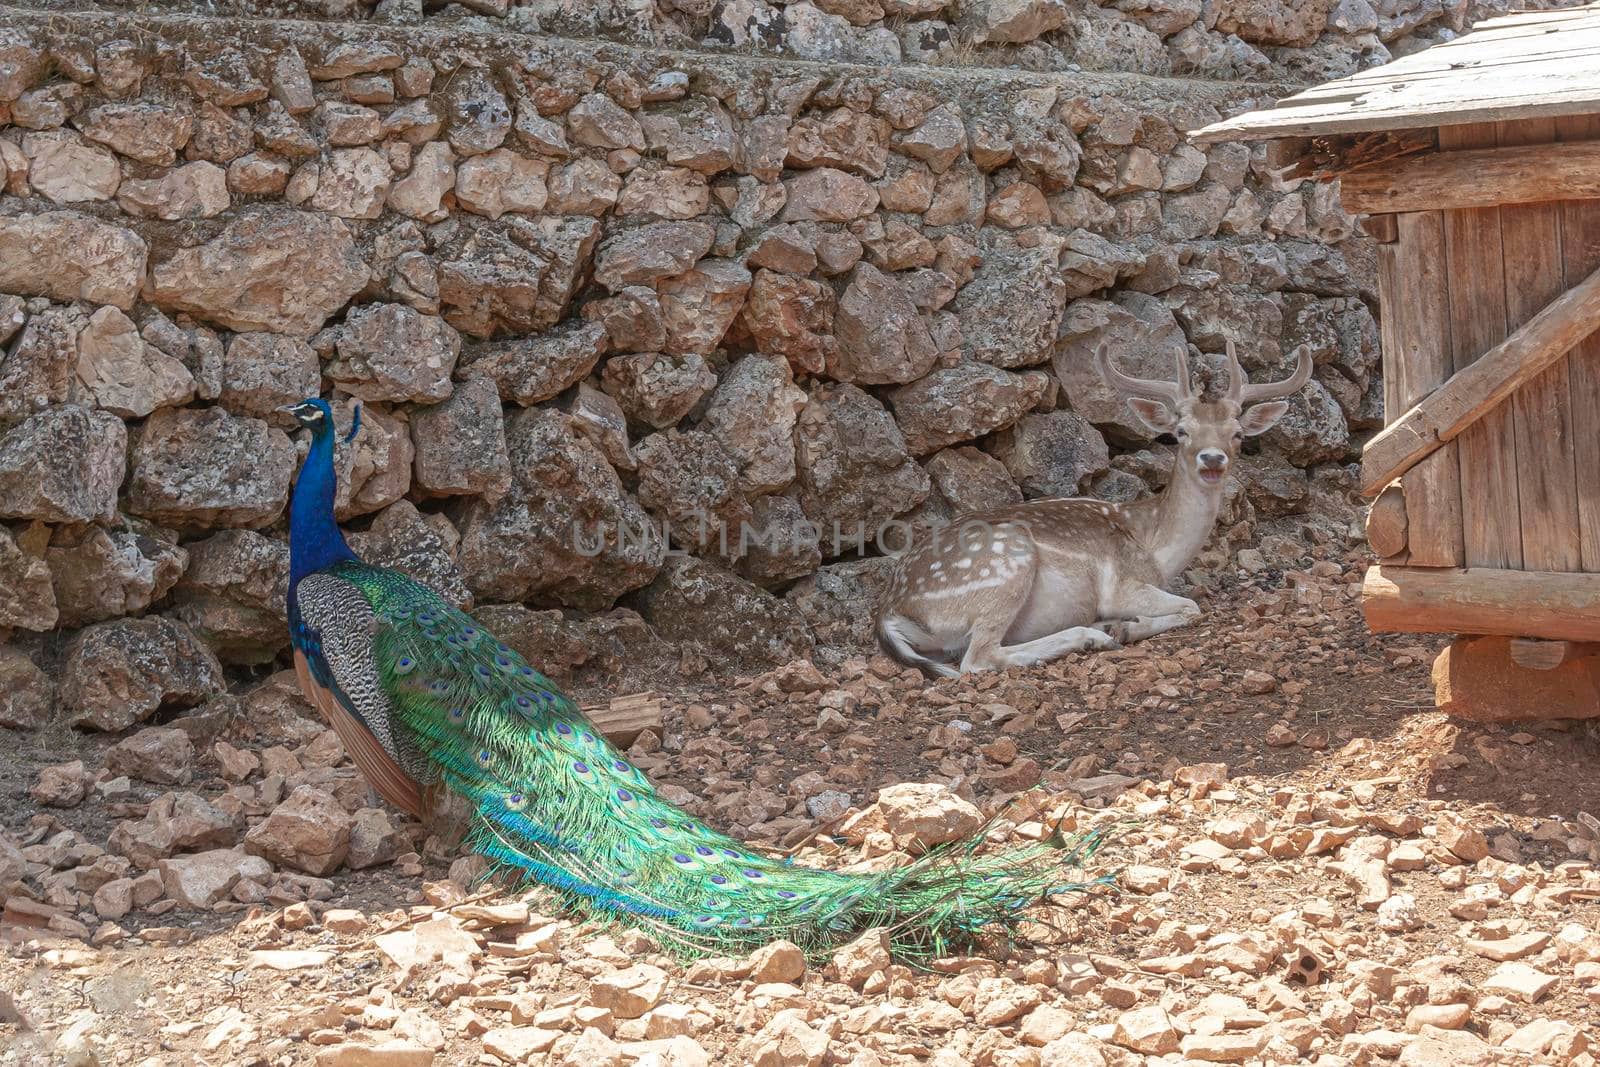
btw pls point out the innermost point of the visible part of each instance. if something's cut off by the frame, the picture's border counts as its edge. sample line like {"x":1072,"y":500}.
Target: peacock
{"x":424,"y":698}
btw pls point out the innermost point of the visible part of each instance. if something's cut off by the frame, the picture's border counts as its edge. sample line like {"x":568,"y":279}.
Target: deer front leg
{"x":1146,"y":610}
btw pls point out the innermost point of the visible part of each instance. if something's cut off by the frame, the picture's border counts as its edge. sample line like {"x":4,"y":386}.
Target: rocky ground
{"x":1311,"y":866}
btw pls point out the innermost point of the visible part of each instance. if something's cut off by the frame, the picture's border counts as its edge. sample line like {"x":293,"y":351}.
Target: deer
{"x":1028,"y":583}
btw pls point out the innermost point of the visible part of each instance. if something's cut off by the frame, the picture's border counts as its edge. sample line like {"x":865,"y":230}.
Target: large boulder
{"x":656,"y":390}
{"x":881,"y":338}
{"x":100,"y":575}
{"x":792,"y":316}
{"x":423,"y":547}
{"x":65,"y":255}
{"x":567,"y":533}
{"x":27,"y":599}
{"x":690,"y":483}
{"x":461,"y":443}
{"x":41,"y":368}
{"x":963,"y":402}
{"x":197,"y":468}
{"x":1052,"y":454}
{"x":701,"y":605}
{"x":64,"y":464}
{"x":513,"y":275}
{"x":700,"y":304}
{"x":855,"y":472}
{"x":374,"y":470}
{"x":26,"y":693}
{"x":125,"y":374}
{"x":394,"y":352}
{"x":752,"y":414}
{"x":119,"y":673}
{"x":234,"y":595}
{"x":1012,"y":307}
{"x":274,"y":269}
{"x":528,"y":370}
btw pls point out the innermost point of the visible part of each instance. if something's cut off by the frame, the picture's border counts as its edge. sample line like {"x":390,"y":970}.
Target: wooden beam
{"x":626,"y":717}
{"x":1480,"y":177}
{"x":1548,"y":604}
{"x":1477,"y":389}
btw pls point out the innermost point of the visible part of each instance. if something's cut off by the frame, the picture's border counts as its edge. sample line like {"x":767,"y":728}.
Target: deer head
{"x":1209,"y":432}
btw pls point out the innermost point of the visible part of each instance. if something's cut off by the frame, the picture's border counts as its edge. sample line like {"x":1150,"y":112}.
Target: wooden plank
{"x":1547,"y":484}
{"x":626,"y":717}
{"x":1415,"y":331}
{"x":1474,"y":394}
{"x":1478,"y":178}
{"x":1557,"y":606}
{"x":1580,"y":247}
{"x":1491,"y":530}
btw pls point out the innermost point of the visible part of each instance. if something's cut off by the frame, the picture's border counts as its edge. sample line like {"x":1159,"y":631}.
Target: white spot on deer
{"x":936,"y":565}
{"x":964,"y":562}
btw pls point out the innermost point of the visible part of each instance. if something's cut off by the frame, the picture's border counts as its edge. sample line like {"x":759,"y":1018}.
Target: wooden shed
{"x":1477,"y":163}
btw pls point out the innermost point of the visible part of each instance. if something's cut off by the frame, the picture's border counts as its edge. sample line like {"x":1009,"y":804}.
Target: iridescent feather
{"x":425,"y":697}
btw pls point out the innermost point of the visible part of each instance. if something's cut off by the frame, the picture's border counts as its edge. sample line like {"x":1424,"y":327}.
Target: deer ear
{"x":1262,"y":417}
{"x":1153,"y":413}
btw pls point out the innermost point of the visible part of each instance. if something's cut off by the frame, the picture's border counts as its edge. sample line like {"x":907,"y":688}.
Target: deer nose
{"x":1212,"y":459}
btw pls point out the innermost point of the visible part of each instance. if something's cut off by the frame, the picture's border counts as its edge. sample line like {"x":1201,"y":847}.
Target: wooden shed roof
{"x":1522,"y":65}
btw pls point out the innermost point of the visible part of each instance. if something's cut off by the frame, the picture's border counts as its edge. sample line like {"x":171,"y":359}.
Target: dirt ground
{"x":1363,"y":881}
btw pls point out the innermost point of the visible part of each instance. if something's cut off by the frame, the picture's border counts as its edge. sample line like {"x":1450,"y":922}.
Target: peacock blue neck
{"x":315,"y":540}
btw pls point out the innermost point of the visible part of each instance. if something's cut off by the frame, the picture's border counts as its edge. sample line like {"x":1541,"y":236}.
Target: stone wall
{"x":590,"y":288}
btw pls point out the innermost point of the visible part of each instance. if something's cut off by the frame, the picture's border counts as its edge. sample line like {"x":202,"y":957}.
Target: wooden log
{"x":1386,"y":522}
{"x":1476,"y":390}
{"x":626,"y":717}
{"x":1482,"y":177}
{"x":1537,"y":654}
{"x":1475,"y":600}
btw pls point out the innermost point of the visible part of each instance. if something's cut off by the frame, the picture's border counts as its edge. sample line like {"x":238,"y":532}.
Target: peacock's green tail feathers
{"x":556,"y":802}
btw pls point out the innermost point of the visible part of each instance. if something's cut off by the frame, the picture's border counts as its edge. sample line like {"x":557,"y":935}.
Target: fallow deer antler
{"x":1243,"y":393}
{"x":1169,"y":392}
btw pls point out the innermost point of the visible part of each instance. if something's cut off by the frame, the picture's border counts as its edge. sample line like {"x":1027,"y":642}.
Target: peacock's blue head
{"x":315,"y":415}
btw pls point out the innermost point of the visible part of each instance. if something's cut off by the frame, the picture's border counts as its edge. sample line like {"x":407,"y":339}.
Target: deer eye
{"x":1180,"y":434}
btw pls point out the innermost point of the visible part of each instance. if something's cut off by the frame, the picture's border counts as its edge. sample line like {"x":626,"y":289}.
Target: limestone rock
{"x":828,"y":195}
{"x":374,"y":470}
{"x":420,"y":194}
{"x":393,"y":352}
{"x":261,"y":372}
{"x":689,"y":482}
{"x":514,"y":275}
{"x":881,"y":337}
{"x":656,"y":390}
{"x":63,"y":464}
{"x":352,"y":183}
{"x":234,"y":595}
{"x":1143,"y":340}
{"x":644,"y":255}
{"x":160,"y":754}
{"x":793,"y":317}
{"x":197,"y":190}
{"x":854,"y":470}
{"x":920,"y":816}
{"x":203,"y":879}
{"x":66,"y":171}
{"x":632,"y":319}
{"x":125,"y":375}
{"x":149,"y":133}
{"x":27,"y":599}
{"x":700,"y":304}
{"x":277,"y":270}
{"x":41,"y":367}
{"x":696,"y":602}
{"x":118,"y":673}
{"x":174,"y":822}
{"x":1054,"y":454}
{"x":695,"y":133}
{"x":461,"y":443}
{"x":962,"y":403}
{"x":599,"y":418}
{"x":478,"y":117}
{"x":1011,"y":309}
{"x":195,"y":468}
{"x":752,"y":414}
{"x":598,"y":122}
{"x":567,"y":533}
{"x":105,"y":575}
{"x":68,"y":256}
{"x":529,"y":370}
{"x":26,"y":693}
{"x":500,"y":181}
{"x":310,"y":831}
